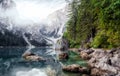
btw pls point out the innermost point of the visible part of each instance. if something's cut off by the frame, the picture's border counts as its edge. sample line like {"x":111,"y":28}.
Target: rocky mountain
{"x":38,"y":34}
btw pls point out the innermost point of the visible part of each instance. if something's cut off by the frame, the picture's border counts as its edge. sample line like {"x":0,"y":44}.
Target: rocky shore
{"x":100,"y":62}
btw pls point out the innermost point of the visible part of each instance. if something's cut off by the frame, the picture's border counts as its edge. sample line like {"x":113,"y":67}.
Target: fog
{"x":27,"y":12}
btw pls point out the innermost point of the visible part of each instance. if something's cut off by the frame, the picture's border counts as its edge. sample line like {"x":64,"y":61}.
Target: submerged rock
{"x":32,"y":57}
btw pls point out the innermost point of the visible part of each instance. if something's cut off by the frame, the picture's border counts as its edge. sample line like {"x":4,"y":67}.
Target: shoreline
{"x":101,"y":62}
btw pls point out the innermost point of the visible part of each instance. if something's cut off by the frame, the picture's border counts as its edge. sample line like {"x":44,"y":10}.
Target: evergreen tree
{"x":96,"y":22}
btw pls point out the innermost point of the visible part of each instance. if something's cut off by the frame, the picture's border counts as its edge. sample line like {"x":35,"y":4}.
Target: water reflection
{"x":11,"y":61}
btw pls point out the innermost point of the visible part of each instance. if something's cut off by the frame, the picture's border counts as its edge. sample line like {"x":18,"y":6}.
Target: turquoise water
{"x":74,"y":58}
{"x":11,"y":61}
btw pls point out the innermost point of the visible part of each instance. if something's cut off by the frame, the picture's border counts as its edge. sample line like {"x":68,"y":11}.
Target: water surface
{"x":12,"y":63}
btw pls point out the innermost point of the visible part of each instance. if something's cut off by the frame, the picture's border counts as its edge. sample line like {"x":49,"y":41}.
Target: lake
{"x":12,"y":63}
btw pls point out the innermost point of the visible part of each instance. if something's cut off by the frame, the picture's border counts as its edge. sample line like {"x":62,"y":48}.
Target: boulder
{"x":115,"y":60}
{"x":96,"y":72}
{"x":118,"y":74}
{"x":75,"y":68}
{"x":91,"y":62}
{"x":99,"y":72}
{"x":89,"y":51}
{"x":112,"y":50}
{"x":98,"y":53}
{"x":84,"y":55}
{"x":105,"y":63}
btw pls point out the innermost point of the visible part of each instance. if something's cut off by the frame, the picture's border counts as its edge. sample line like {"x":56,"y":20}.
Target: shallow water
{"x":74,"y":58}
{"x":12,"y":63}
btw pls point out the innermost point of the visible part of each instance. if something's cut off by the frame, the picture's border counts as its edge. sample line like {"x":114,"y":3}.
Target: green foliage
{"x":100,"y":40}
{"x":98,"y":20}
